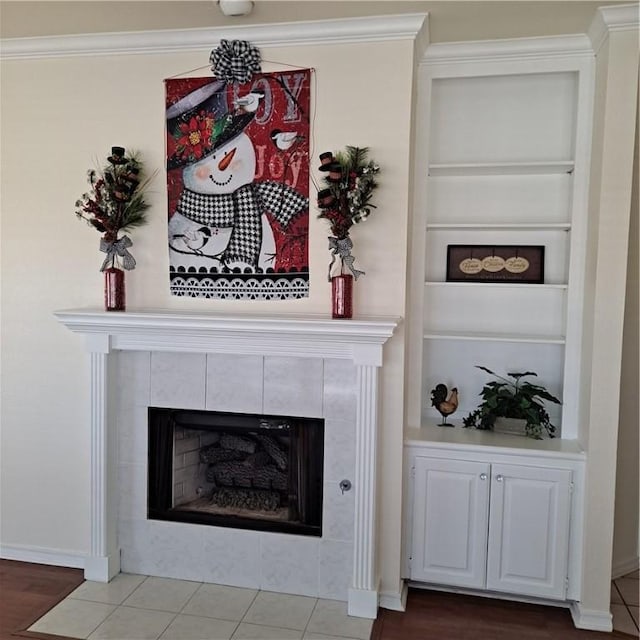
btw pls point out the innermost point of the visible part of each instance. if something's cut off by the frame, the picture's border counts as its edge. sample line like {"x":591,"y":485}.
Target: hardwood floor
{"x":28,"y":591}
{"x":433,"y":615}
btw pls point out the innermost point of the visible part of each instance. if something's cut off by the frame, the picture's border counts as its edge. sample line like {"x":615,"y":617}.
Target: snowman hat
{"x":200,"y":122}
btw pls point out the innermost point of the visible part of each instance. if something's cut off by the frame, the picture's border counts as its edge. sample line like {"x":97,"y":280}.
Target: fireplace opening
{"x":244,"y":471}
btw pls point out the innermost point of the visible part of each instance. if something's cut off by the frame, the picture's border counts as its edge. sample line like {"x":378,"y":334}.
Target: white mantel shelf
{"x":360,"y":340}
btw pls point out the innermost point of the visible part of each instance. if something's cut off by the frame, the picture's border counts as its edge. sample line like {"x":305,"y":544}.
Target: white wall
{"x":59,"y":117}
{"x":610,"y":203}
{"x":626,"y":529}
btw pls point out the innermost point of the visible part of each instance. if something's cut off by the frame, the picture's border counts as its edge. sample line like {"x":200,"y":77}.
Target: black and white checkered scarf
{"x":242,"y":210}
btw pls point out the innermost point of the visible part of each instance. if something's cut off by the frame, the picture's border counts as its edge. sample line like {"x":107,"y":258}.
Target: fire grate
{"x":236,"y":470}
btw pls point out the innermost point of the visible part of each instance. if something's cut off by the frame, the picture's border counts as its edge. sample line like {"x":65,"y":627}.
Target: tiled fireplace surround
{"x":284,"y":365}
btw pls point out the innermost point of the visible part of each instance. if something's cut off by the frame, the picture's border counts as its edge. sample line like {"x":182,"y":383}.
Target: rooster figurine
{"x":445,"y":406}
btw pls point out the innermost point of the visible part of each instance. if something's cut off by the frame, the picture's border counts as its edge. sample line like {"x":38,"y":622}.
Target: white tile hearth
{"x":73,"y":618}
{"x":279,"y":610}
{"x":166,"y":609}
{"x":133,"y":624}
{"x":114,"y":592}
{"x":254,"y":632}
{"x":215,"y":601}
{"x":189,"y":627}
{"x":330,"y":617}
{"x":162,"y":594}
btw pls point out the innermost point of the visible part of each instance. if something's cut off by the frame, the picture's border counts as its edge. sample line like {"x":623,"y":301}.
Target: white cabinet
{"x":491,"y":525}
{"x":528,"y":540}
{"x":450,"y":520}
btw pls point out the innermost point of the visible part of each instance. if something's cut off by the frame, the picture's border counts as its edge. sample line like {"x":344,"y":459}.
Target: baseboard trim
{"x":591,"y":619}
{"x":396,"y":601}
{"x":363,"y":603}
{"x":42,"y":555}
{"x":620,"y":569}
{"x":102,"y":568}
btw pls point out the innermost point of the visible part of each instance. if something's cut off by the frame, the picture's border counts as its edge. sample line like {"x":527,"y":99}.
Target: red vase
{"x":342,"y":296}
{"x":114,"y":296}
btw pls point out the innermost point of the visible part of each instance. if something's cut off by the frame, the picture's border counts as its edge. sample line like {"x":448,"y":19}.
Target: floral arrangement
{"x":346,"y":199}
{"x":114,"y":204}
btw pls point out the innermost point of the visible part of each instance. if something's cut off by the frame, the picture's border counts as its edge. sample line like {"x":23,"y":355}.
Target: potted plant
{"x":516,"y":398}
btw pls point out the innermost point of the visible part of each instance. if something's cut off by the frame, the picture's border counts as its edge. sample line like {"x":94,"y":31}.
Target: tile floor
{"x":624,"y":603}
{"x":147,"y":608}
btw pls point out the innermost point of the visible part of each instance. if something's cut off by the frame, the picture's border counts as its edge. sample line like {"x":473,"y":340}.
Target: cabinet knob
{"x":499,"y":477}
{"x":483,"y":476}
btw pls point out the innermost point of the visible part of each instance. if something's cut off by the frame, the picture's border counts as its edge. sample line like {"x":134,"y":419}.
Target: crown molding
{"x":343,"y":31}
{"x":508,"y":48}
{"x":624,"y":17}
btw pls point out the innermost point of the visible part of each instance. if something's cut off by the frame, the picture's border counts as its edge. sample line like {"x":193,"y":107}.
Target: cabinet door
{"x":450,"y":519}
{"x":529,"y":530}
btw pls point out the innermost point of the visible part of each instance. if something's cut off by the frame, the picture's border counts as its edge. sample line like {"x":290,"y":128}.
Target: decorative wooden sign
{"x":495,"y":263}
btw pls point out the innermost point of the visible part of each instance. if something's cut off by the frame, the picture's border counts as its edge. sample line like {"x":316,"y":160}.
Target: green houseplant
{"x":516,"y":398}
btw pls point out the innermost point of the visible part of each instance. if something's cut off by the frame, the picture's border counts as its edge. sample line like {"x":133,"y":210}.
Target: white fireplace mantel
{"x":360,"y":340}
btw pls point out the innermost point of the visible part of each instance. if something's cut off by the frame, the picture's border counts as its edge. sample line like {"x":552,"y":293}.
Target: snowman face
{"x":226,"y":169}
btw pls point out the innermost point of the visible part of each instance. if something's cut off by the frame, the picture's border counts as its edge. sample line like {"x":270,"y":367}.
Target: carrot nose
{"x":226,"y":161}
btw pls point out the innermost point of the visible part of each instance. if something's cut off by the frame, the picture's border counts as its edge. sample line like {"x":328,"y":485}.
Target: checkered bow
{"x":235,"y":61}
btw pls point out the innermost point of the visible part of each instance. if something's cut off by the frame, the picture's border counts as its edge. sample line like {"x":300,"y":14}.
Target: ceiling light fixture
{"x":235,"y":8}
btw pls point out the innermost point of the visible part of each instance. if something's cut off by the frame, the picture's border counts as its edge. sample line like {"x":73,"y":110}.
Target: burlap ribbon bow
{"x":235,"y":61}
{"x":341,"y":247}
{"x":117,"y":248}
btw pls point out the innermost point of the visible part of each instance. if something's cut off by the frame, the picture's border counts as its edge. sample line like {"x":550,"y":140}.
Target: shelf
{"x":429,"y":435}
{"x":493,"y":337}
{"x":497,"y":169}
{"x":501,"y":284}
{"x":544,"y":226}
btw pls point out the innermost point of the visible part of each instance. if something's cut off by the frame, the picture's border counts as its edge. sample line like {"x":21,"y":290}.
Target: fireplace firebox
{"x":245,"y":471}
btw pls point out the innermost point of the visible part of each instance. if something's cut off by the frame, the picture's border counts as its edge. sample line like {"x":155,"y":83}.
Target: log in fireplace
{"x":244,"y":471}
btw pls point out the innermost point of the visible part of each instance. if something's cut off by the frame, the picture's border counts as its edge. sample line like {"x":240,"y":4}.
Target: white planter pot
{"x":512,"y":426}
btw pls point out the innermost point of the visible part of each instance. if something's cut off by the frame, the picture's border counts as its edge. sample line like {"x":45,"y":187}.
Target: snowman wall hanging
{"x":238,"y":183}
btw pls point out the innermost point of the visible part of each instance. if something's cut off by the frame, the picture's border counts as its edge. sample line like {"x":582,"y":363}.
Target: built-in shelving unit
{"x":503,"y":160}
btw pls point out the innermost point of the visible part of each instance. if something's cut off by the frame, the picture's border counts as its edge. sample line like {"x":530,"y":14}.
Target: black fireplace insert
{"x":245,"y":471}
